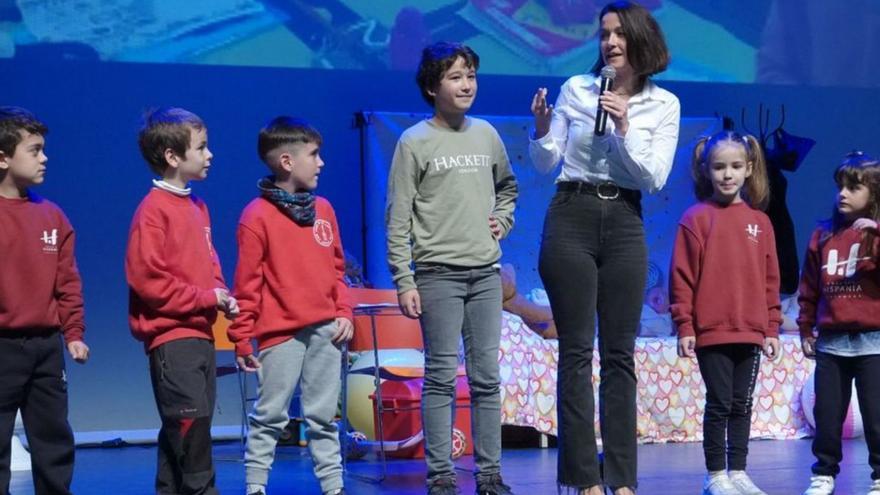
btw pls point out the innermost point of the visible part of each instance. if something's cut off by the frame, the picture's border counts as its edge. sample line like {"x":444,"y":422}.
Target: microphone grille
{"x":608,"y":72}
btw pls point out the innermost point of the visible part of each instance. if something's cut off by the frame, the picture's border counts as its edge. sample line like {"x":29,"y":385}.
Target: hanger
{"x":763,"y":123}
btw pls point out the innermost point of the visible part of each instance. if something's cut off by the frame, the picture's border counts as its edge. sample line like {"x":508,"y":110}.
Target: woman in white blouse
{"x":593,"y":257}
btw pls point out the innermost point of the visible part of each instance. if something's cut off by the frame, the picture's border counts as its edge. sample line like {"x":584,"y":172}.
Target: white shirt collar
{"x":177,"y":191}
{"x":649,"y":92}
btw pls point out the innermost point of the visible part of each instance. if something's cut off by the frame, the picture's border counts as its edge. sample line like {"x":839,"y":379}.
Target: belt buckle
{"x":603,"y":188}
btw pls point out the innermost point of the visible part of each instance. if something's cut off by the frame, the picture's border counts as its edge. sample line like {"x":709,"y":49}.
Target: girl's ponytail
{"x":757,"y":185}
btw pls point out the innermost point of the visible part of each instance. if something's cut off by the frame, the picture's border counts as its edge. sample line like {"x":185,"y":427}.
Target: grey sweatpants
{"x":312,"y":357}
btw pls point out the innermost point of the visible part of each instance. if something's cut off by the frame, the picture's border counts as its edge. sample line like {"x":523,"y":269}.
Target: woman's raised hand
{"x":542,"y":112}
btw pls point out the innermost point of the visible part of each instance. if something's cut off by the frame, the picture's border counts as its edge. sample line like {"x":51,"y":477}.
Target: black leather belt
{"x":605,"y":190}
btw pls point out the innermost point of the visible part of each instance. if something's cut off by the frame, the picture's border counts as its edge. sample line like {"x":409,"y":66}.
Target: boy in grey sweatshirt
{"x":451,"y":195}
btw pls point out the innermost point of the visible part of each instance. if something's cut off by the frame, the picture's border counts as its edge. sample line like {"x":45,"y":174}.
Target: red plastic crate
{"x":402,"y":418}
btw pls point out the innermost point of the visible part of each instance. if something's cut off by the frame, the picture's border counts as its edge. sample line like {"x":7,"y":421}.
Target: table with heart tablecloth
{"x":671,"y":393}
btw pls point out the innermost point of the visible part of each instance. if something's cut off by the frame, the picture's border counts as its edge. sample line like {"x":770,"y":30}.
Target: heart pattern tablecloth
{"x":671,"y":394}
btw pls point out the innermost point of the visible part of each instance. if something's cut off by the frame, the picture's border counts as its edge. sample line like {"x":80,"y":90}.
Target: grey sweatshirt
{"x":443,"y":186}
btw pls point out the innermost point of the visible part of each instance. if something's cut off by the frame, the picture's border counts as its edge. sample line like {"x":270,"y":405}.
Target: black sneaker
{"x":258,"y":492}
{"x":338,"y":491}
{"x":492,"y":485}
{"x":443,"y":486}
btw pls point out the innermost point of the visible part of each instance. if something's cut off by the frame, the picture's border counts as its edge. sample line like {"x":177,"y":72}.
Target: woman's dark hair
{"x":645,"y":44}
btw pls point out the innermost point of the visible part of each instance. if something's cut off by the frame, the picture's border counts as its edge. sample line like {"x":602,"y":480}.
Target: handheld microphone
{"x":608,"y":74}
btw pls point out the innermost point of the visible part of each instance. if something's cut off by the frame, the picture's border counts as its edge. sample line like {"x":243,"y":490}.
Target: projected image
{"x":743,"y":41}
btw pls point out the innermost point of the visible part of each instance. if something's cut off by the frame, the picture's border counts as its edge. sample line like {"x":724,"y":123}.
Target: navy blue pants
{"x":834,"y":379}
{"x":32,"y":378}
{"x":184,"y":375}
{"x":729,"y":372}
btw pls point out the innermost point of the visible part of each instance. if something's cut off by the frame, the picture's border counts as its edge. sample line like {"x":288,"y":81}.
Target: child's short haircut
{"x":282,"y":131}
{"x":166,"y":128}
{"x":437,"y":59}
{"x":14,"y":120}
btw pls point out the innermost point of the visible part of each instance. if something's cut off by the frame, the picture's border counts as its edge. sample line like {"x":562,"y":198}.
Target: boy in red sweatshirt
{"x":290,"y":284}
{"x":175,"y":289}
{"x":40,"y":300}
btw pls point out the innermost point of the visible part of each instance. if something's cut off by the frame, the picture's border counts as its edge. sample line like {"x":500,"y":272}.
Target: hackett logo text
{"x":456,"y":161}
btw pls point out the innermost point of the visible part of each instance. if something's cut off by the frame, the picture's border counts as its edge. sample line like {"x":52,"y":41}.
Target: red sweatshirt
{"x":40,"y":286}
{"x":840,"y":284}
{"x":172,"y":270}
{"x":724,"y":278}
{"x":288,"y":276}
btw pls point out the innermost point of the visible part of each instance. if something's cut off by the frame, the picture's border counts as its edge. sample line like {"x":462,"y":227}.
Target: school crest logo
{"x":752,"y":230}
{"x":50,"y":241}
{"x":323,"y":232}
{"x":849,"y":287}
{"x":847,"y":267}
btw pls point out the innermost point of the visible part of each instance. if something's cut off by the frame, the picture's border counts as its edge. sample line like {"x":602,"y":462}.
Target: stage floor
{"x":780,"y":467}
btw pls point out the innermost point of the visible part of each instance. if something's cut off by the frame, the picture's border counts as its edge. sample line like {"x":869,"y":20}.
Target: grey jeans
{"x":461,"y":303}
{"x":312,"y":359}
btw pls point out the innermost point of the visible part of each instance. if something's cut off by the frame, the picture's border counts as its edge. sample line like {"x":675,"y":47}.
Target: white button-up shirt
{"x":640,"y":160}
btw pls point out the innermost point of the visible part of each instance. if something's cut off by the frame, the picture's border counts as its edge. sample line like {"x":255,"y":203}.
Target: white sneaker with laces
{"x":820,"y":485}
{"x":875,"y":488}
{"x":719,"y":484}
{"x":744,"y":484}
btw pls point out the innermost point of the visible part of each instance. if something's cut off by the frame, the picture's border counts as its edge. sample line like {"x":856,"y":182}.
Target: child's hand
{"x":542,"y":112}
{"x":686,"y":346}
{"x":248,"y":363}
{"x":222,"y":298}
{"x":495,"y":227}
{"x":772,"y":349}
{"x":79,"y":351}
{"x":231,"y":309}
{"x":808,"y":344}
{"x":226,"y":303}
{"x":410,"y":303}
{"x":344,"y":330}
{"x":864,"y":224}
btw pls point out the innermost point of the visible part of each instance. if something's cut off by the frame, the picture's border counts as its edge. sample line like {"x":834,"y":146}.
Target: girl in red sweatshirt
{"x":724,"y":290}
{"x":840,"y":298}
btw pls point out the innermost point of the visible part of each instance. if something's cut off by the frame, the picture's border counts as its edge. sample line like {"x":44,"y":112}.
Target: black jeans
{"x":34,"y":380}
{"x":184,"y":374}
{"x":834,"y":378}
{"x":729,"y":372}
{"x":593,"y":263}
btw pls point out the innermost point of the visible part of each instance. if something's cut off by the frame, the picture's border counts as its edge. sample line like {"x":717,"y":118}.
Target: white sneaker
{"x":820,"y":485}
{"x":875,"y":488}
{"x":744,"y":484}
{"x":719,"y":484}
{"x":252,"y":489}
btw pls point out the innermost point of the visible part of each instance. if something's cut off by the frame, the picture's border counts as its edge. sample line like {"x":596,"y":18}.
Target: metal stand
{"x":371,"y":310}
